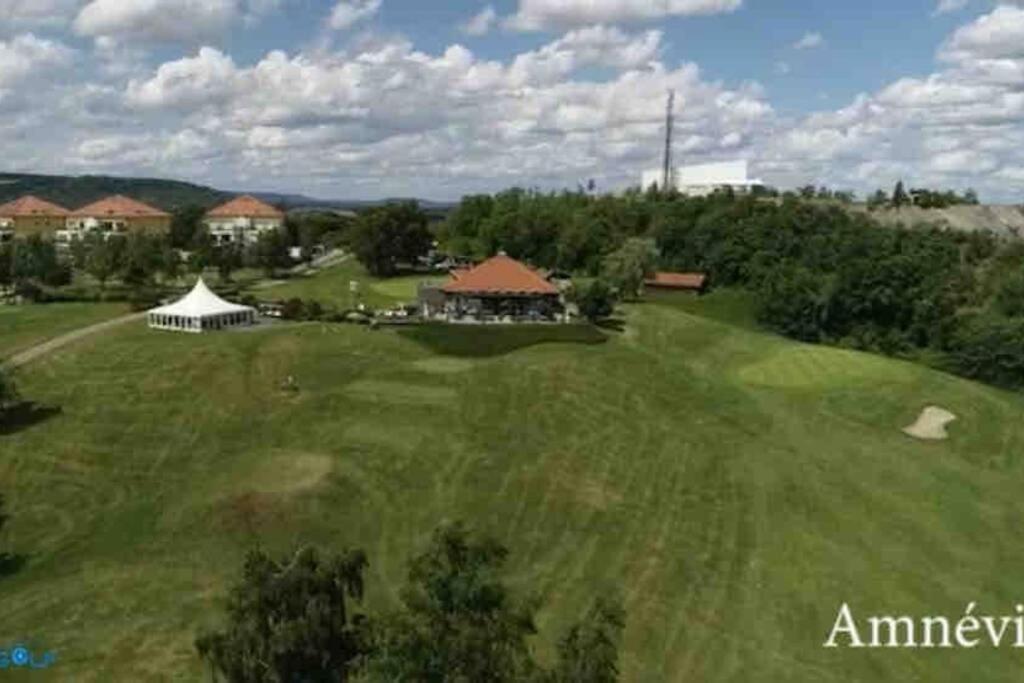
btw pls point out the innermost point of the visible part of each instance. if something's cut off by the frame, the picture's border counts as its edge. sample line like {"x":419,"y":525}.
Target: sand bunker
{"x":931,"y":426}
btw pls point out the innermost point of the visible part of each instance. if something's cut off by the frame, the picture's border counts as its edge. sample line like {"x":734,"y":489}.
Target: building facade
{"x":242,"y":220}
{"x":115,"y":215}
{"x":499,"y":290}
{"x":705,"y":179}
{"x":31,"y":216}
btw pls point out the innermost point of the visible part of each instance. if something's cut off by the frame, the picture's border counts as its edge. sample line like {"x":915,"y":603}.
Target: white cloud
{"x":348,"y":13}
{"x":961,"y":126}
{"x":168,"y":21}
{"x":947,"y":6}
{"x":809,"y":41}
{"x":999,"y":35}
{"x":538,"y":15}
{"x":392,"y":114}
{"x":27,"y":55}
{"x":156,"y":20}
{"x":481,"y":23}
{"x":190,"y":82}
{"x":783,"y":68}
{"x":35,"y":12}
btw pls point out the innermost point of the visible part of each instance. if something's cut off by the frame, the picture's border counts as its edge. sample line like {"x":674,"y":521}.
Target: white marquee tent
{"x":201,"y":311}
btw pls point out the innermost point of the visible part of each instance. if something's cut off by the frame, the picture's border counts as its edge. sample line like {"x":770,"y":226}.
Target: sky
{"x":365,"y":99}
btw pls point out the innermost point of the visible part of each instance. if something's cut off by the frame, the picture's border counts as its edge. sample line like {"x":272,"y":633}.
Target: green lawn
{"x":734,"y":486}
{"x":331,"y":287}
{"x":24,"y":326}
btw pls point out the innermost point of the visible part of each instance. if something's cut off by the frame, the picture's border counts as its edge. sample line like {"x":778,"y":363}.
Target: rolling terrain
{"x":735,"y":487}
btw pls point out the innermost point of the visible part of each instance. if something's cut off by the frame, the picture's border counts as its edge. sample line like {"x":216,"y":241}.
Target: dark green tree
{"x":291,"y":620}
{"x":104,"y":257}
{"x":1010,"y":297}
{"x":8,"y":392}
{"x":228,"y":258}
{"x":899,"y":196}
{"x":459,"y":622}
{"x":140,"y":259}
{"x":589,"y":652}
{"x":270,"y":253}
{"x":186,"y":221}
{"x":387,"y":236}
{"x":596,"y":300}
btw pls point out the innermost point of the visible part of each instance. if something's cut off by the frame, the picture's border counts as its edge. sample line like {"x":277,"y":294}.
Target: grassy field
{"x":735,"y":487}
{"x":24,"y":326}
{"x":331,"y":287}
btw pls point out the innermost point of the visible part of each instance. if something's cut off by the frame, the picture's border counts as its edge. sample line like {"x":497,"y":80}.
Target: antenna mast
{"x":669,"y":124}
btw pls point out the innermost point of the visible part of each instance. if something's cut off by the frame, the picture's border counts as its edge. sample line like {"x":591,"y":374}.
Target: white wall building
{"x":704,"y":179}
{"x":242,"y":220}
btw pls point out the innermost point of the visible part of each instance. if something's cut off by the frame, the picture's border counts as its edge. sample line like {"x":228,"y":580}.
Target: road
{"x":51,"y":345}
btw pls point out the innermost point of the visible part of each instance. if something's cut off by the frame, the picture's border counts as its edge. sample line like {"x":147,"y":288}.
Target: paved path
{"x":51,"y":345}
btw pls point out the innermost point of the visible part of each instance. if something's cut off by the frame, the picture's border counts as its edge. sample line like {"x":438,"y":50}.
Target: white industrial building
{"x":704,"y":179}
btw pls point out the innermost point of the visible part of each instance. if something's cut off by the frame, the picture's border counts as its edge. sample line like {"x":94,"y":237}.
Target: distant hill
{"x":76,"y":191}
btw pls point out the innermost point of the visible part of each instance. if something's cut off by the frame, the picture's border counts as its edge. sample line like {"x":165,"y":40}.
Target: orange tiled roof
{"x":678,"y":280}
{"x":247,"y":207}
{"x":500,"y":275}
{"x":29,"y":206}
{"x":119,"y":207}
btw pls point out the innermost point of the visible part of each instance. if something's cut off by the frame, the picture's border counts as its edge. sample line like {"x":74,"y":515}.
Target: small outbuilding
{"x":687,"y":282}
{"x":201,"y":311}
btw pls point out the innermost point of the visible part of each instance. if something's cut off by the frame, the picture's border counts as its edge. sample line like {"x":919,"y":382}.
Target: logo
{"x":20,"y":657}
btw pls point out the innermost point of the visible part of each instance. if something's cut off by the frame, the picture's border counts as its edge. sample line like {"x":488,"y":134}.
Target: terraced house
{"x":243,"y":220}
{"x":31,"y":215}
{"x":115,"y":215}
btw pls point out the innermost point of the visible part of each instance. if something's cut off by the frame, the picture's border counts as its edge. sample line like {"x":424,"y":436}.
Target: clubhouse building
{"x":242,"y":220}
{"x":499,"y":290}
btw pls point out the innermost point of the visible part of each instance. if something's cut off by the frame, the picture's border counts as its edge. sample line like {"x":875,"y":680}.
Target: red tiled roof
{"x":500,"y":275}
{"x":246,"y":207}
{"x":29,"y":206}
{"x":678,"y":280}
{"x":119,"y":207}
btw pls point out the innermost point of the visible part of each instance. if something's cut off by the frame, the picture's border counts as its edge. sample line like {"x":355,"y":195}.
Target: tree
{"x":878,"y":199}
{"x":596,"y":301}
{"x":185,"y":223}
{"x":103,"y":257}
{"x":628,"y":267}
{"x":228,"y":258}
{"x":8,"y":392}
{"x":35,"y":259}
{"x":589,"y":652}
{"x":140,"y":259}
{"x":270,"y":252}
{"x":899,"y":196}
{"x":384,"y":237}
{"x":792,"y":302}
{"x":291,"y":620}
{"x":1010,"y":297}
{"x":170,"y":262}
{"x":459,"y":621}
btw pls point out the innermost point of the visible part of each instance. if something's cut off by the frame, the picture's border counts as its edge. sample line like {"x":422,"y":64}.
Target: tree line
{"x":818,"y":272}
{"x":303,"y":618}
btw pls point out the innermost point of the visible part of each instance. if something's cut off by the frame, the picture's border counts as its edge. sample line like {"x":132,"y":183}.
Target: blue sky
{"x":373,"y":98}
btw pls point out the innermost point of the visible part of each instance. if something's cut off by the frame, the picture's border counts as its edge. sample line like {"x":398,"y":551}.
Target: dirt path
{"x":51,"y":345}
